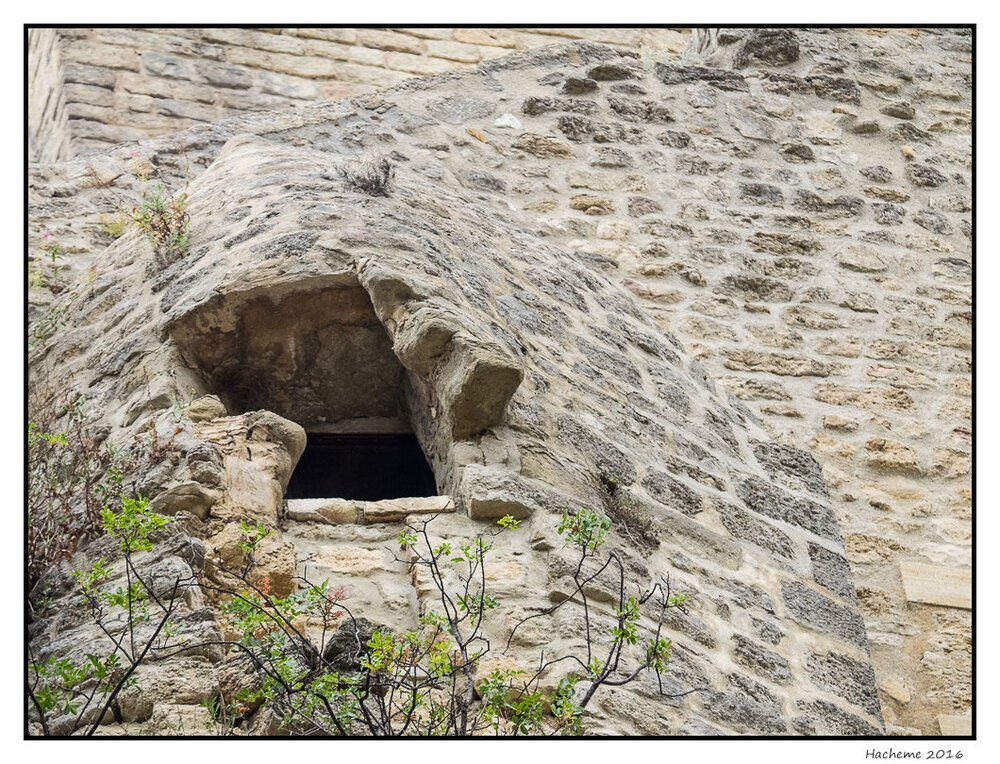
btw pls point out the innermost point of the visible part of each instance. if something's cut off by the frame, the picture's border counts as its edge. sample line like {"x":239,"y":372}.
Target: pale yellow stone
{"x":389,"y":510}
{"x":828,"y":445}
{"x":896,"y":690}
{"x":333,"y":511}
{"x":609,"y":230}
{"x":834,"y":422}
{"x":955,"y":725}
{"x":349,"y":559}
{"x":504,"y":572}
{"x":935,"y":585}
{"x":899,"y":487}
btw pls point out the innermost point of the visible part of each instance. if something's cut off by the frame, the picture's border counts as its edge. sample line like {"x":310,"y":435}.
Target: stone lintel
{"x":349,"y":512}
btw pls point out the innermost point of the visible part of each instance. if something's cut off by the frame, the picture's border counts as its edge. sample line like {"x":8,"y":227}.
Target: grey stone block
{"x":851,"y":679}
{"x":832,"y":571}
{"x":812,"y":609}
{"x":760,"y":660}
{"x":767,"y":499}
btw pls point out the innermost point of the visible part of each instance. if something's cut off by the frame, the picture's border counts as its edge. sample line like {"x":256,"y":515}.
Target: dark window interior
{"x":364,"y":467}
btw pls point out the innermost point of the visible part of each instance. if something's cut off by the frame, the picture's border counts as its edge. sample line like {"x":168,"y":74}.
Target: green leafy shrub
{"x":57,"y":688}
{"x":424,"y":682}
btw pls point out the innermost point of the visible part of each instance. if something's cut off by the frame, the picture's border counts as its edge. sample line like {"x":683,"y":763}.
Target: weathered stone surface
{"x":333,"y":511}
{"x":762,"y":661}
{"x":762,"y":194}
{"x":768,"y":47}
{"x":832,"y":571}
{"x":186,"y":681}
{"x":951,"y":725}
{"x":745,"y":715}
{"x":206,"y":408}
{"x":392,"y":510}
{"x":792,"y":467}
{"x":847,"y":677}
{"x":743,"y":525}
{"x":823,"y":614}
{"x":717,"y":78}
{"x":191,"y":497}
{"x":591,"y":205}
{"x":783,"y":364}
{"x":672,"y":492}
{"x":766,"y":499}
{"x":828,"y":719}
{"x":490,"y":493}
{"x":891,"y":455}
{"x":541,"y":146}
{"x":457,"y":110}
{"x":922,"y":175}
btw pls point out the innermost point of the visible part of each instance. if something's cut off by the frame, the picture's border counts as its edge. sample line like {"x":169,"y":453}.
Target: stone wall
{"x":48,"y":129}
{"x":533,"y":383}
{"x":794,"y":207}
{"x":128,"y":84}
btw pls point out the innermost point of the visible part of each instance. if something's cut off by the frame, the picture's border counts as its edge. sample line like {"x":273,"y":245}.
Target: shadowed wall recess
{"x":363,"y":467}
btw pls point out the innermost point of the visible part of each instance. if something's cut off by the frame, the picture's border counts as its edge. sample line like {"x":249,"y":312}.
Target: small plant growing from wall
{"x":160,"y":216}
{"x":114,"y":228}
{"x":165,"y":222}
{"x":80,"y":693}
{"x":44,"y":268}
{"x":372,"y":176}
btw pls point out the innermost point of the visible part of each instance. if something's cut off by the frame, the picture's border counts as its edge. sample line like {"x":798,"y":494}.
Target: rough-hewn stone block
{"x":823,"y":614}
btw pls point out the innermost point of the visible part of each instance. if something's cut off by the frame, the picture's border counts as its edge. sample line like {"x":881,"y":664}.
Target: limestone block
{"x":391,"y":510}
{"x":183,"y":681}
{"x":896,"y":690}
{"x":333,"y":34}
{"x":406,"y":62}
{"x":183,"y":720}
{"x":476,"y":385}
{"x":351,"y":560}
{"x":812,"y":609}
{"x":384,"y":39}
{"x":96,"y":54}
{"x":935,"y":585}
{"x":501,"y":38}
{"x":189,"y":496}
{"x":891,"y":455}
{"x":331,"y":511}
{"x":782,"y":364}
{"x":205,"y":409}
{"x":691,"y":534}
{"x":492,"y":492}
{"x":542,"y":146}
{"x":265,"y":425}
{"x":955,"y":725}
{"x":453,"y":51}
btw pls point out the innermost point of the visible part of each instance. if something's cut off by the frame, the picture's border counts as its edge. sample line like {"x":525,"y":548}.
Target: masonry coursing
{"x":801,"y":223}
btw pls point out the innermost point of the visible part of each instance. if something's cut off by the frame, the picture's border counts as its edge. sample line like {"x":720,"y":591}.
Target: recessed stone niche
{"x":322,"y":359}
